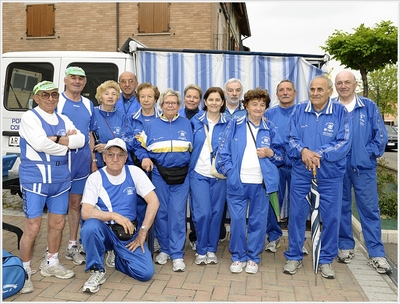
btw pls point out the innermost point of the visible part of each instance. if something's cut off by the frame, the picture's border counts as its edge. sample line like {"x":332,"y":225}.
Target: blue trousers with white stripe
{"x":97,"y":238}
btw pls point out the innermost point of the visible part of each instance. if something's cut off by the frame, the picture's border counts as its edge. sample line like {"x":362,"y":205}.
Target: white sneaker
{"x":58,"y":271}
{"x":162,"y":258}
{"x":110,"y":260}
{"x":212,"y":258}
{"x":28,"y":285}
{"x":200,"y":259}
{"x":381,"y":265}
{"x":237,"y":266}
{"x":193,"y":245}
{"x":96,"y":279}
{"x":251,"y":267}
{"x":305,"y":251}
{"x":178,"y":265}
{"x":73,"y":254}
{"x":273,"y":245}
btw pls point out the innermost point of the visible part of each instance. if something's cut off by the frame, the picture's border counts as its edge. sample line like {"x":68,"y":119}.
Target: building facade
{"x":105,"y":26}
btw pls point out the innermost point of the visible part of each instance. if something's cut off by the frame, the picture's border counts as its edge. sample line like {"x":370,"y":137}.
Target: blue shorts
{"x":78,"y":185}
{"x":36,"y":195}
{"x":81,"y":162}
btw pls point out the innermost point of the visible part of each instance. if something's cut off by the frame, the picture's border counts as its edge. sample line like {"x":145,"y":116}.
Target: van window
{"x":21,"y":77}
{"x":96,"y":74}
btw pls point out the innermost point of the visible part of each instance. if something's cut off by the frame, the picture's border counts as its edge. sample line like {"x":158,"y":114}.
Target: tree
{"x":366,"y":50}
{"x":383,"y":88}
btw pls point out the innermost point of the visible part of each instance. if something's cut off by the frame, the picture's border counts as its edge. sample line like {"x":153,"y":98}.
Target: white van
{"x":21,"y":71}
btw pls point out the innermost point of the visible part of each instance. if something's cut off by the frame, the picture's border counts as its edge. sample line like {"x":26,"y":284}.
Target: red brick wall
{"x":92,"y":27}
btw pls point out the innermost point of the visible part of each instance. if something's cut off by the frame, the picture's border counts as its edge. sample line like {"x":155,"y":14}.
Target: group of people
{"x":141,"y":156}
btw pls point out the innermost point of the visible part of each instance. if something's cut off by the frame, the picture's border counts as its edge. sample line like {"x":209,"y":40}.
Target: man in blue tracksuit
{"x":318,"y":138}
{"x":280,"y":115}
{"x":110,"y":198}
{"x":369,"y":142}
{"x":127,"y":102}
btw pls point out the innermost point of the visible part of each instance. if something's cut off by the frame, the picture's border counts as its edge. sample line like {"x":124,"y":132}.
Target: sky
{"x":304,"y":26}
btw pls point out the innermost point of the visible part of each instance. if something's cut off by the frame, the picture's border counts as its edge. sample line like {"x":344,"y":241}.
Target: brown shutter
{"x":40,"y":20}
{"x":153,"y":17}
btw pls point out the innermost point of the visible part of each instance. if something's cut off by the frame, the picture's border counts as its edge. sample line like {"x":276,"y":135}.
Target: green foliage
{"x":387,"y":190}
{"x":366,"y":50}
{"x":383,"y":85}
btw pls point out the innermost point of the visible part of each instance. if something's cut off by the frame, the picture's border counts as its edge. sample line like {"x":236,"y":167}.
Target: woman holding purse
{"x":207,"y":191}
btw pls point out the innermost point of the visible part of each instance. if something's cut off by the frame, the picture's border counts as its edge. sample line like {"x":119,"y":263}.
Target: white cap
{"x":116,"y":142}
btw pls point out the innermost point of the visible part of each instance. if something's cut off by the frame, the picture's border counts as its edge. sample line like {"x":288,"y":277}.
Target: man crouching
{"x":109,"y":200}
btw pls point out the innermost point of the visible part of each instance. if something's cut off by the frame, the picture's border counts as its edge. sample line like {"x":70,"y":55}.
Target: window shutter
{"x":40,"y":20}
{"x":153,"y":17}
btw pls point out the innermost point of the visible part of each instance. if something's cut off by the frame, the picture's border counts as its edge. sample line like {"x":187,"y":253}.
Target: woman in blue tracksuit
{"x":249,"y":155}
{"x":207,"y":192}
{"x":318,"y":136}
{"x":168,"y":140}
{"x":110,"y":121}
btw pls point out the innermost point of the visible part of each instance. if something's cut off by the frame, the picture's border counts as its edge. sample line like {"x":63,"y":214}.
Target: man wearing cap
{"x":110,"y":198}
{"x":128,"y":103}
{"x":80,"y":110}
{"x":45,"y":179}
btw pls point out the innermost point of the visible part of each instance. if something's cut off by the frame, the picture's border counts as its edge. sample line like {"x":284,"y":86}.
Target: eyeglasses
{"x":170,"y":103}
{"x":46,"y":95}
{"x":129,"y":81}
{"x":112,"y":155}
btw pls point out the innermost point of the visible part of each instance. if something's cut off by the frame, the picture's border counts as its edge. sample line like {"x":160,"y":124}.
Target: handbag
{"x":13,"y":274}
{"x":173,"y":175}
{"x":120,"y":232}
{"x":213,"y":170}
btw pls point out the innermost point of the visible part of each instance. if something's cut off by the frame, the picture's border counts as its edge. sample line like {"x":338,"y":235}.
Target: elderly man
{"x":45,"y":178}
{"x":234,"y":95}
{"x":318,"y":138}
{"x":80,"y":111}
{"x":369,"y":141}
{"x":109,"y":214}
{"x":128,"y":103}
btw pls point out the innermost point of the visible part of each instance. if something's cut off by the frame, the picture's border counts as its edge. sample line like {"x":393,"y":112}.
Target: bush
{"x":387,"y":190}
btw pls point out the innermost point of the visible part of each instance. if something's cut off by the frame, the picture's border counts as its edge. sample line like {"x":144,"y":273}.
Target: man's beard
{"x":232,"y":102}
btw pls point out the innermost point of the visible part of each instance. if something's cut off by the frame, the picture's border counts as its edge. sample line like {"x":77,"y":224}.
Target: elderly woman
{"x":168,"y":140}
{"x":249,"y":155}
{"x":148,"y":96}
{"x":207,"y":192}
{"x":110,"y":121}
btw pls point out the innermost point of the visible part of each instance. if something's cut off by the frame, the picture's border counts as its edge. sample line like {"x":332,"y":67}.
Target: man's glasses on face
{"x":129,"y":81}
{"x":111,"y":155}
{"x":46,"y":96}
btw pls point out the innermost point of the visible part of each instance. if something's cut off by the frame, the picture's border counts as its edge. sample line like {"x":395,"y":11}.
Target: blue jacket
{"x":170,"y":143}
{"x":327,"y":133}
{"x":133,"y":106}
{"x":280,"y":118}
{"x":239,"y":112}
{"x":109,"y":126}
{"x":230,"y":155}
{"x":368,"y":133}
{"x":199,"y":136}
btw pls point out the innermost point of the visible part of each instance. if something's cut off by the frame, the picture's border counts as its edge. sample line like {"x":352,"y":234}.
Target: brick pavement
{"x":210,"y":283}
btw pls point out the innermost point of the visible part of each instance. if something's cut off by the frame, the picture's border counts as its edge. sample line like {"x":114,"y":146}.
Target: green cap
{"x":73,"y":70}
{"x":44,"y":86}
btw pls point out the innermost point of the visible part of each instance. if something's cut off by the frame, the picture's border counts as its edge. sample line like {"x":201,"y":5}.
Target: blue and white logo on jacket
{"x":329,"y":129}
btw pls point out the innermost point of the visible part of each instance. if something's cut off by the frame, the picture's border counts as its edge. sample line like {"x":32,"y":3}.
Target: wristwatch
{"x":58,"y":138}
{"x":94,"y":160}
{"x":144,"y":228}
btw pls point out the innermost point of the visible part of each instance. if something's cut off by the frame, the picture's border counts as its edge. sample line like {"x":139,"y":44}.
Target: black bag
{"x":14,"y":274}
{"x":173,"y":175}
{"x":120,"y":232}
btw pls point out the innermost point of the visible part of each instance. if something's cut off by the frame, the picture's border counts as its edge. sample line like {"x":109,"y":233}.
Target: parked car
{"x":392,"y":137}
